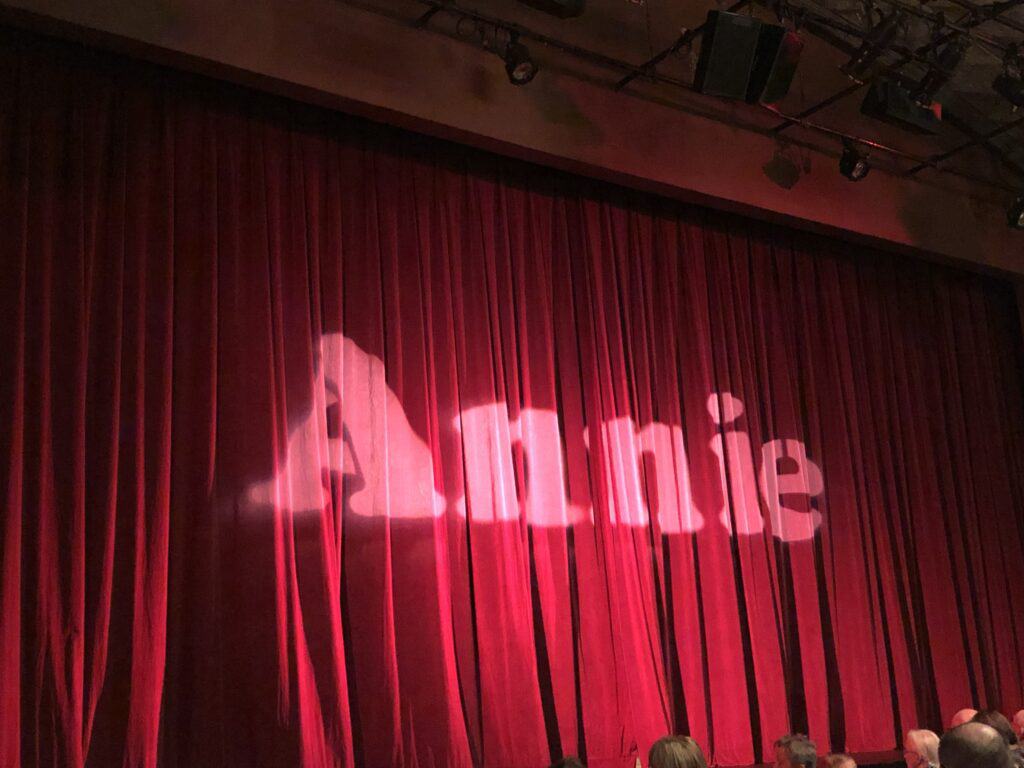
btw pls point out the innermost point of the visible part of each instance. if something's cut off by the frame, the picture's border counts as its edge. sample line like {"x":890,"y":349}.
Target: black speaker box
{"x":888,"y":102}
{"x":778,"y":53}
{"x":727,"y":54}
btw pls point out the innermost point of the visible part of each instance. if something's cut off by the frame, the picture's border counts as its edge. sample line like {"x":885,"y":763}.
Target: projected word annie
{"x":356,"y":440}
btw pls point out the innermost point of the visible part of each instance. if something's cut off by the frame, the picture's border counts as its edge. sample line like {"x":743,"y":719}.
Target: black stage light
{"x":946,"y":62}
{"x":1010,"y":84}
{"x":1010,"y":88}
{"x":874,"y":45}
{"x":1015,"y":215}
{"x":519,"y":65}
{"x":853,"y":164}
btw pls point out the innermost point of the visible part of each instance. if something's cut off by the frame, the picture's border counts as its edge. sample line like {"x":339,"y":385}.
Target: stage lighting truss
{"x":941,"y":57}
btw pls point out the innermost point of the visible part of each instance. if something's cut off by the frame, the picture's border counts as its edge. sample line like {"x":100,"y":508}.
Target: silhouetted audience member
{"x":839,"y":760}
{"x":569,"y":761}
{"x":974,"y":745}
{"x":676,"y":752}
{"x":998,"y":721}
{"x":961,"y":717}
{"x":921,"y":749}
{"x":795,"y":751}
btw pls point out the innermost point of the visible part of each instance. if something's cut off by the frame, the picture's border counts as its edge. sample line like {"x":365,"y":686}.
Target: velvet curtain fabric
{"x":325,"y":444}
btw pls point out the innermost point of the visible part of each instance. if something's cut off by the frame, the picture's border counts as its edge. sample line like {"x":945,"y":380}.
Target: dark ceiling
{"x":613,"y":35}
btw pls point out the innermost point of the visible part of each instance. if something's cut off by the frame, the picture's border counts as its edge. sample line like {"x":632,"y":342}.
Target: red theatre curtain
{"x":325,"y":444}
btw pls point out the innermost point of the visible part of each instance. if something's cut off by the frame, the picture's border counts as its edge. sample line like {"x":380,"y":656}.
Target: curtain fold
{"x":325,"y":444}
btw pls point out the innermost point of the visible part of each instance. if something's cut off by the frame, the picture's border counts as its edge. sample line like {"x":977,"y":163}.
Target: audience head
{"x":840,"y":760}
{"x":795,"y":751}
{"x":998,"y":721}
{"x":676,"y":752}
{"x":973,"y":745}
{"x":921,"y":749}
{"x":569,"y":761}
{"x":1018,"y":724}
{"x":961,"y":717}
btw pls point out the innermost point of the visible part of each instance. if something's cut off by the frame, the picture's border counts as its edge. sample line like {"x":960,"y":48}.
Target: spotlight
{"x":1010,"y":84}
{"x":946,"y":62}
{"x":853,"y":165}
{"x":1010,"y":88}
{"x":518,"y":64}
{"x":1015,"y":215}
{"x":874,"y":44}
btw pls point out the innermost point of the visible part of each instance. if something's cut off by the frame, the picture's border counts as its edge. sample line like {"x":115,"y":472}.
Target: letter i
{"x":736,"y":466}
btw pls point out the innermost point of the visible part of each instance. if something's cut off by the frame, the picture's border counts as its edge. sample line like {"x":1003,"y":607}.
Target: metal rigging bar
{"x":979,"y":139}
{"x":993,"y":12}
{"x":584,"y":54}
{"x":964,"y":127}
{"x":956,"y":26}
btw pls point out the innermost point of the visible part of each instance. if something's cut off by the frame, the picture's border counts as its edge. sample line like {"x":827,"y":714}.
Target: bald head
{"x":961,"y":717}
{"x":921,"y":749}
{"x":839,"y":760}
{"x":973,"y":745}
{"x":1018,"y":724}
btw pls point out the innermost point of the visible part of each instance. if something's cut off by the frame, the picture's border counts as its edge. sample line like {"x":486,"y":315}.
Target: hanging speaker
{"x":727,"y":54}
{"x":778,"y":53}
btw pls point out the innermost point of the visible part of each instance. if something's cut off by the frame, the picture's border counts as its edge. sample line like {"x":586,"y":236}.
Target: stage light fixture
{"x":1010,"y":88}
{"x":1015,"y":215}
{"x":946,"y":62}
{"x":874,"y":45}
{"x":519,"y":65}
{"x":853,"y":164}
{"x":1010,"y":84}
